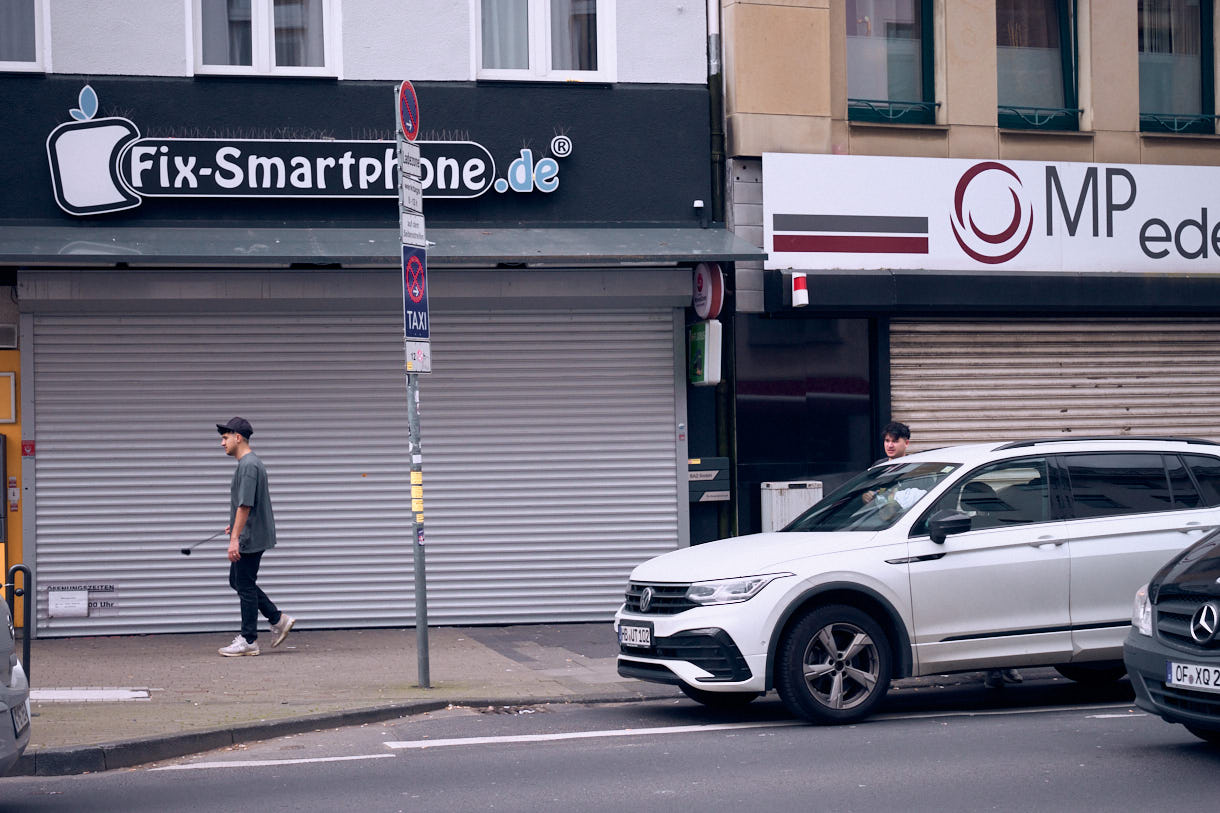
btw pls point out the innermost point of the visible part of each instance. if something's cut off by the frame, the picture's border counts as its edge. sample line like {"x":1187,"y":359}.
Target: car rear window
{"x":1207,"y":474}
{"x":1111,"y":484}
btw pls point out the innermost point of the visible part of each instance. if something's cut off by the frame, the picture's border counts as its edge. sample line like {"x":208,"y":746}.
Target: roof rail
{"x":1020,"y":444}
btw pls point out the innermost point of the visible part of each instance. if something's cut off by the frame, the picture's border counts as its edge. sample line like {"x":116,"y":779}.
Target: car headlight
{"x":729,"y":591}
{"x":1141,"y":612}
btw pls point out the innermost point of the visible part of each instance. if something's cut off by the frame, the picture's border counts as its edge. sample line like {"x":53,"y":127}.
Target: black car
{"x":1173,"y":650}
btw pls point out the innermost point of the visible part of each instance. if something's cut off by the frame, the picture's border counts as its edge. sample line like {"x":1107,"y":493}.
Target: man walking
{"x":251,"y":532}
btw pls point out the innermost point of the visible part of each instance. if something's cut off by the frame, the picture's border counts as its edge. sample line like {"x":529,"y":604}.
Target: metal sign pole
{"x":417,"y":543}
{"x":415,"y":341}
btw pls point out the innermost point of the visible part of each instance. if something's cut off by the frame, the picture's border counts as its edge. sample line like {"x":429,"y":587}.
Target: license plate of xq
{"x":635,"y":636}
{"x":1193,"y":676}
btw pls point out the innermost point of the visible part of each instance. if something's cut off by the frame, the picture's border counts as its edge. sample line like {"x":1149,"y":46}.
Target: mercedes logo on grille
{"x":1204,"y":623}
{"x":645,"y":599}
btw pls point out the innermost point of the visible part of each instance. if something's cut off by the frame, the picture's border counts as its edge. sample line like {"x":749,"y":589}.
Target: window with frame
{"x":264,"y":37}
{"x":21,"y":35}
{"x":889,"y":61}
{"x":559,"y":40}
{"x":1010,"y":492}
{"x":1036,"y":64}
{"x":1177,"y":93}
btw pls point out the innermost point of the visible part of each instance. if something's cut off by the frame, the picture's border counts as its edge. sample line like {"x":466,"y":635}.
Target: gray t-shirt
{"x":250,"y":488}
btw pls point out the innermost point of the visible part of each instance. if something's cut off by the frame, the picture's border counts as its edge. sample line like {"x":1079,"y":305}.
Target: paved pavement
{"x":197,"y":700}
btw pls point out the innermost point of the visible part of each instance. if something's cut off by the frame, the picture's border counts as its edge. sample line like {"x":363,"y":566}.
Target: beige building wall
{"x":786,"y":91}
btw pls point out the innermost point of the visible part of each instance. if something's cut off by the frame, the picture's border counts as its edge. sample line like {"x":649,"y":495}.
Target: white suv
{"x":964,"y":558}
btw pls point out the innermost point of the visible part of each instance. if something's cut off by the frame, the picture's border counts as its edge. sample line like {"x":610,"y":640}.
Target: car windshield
{"x":875,"y":500}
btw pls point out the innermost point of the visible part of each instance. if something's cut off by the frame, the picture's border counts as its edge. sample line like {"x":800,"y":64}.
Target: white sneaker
{"x":280,"y":630}
{"x":239,"y":647}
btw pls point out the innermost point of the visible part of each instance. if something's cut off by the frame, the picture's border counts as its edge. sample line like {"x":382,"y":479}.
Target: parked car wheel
{"x":1207,"y":734}
{"x":1091,"y":674}
{"x":718,"y":700}
{"x":834,"y":665}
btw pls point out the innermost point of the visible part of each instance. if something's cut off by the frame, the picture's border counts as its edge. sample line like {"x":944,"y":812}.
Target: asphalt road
{"x":1027,"y":748}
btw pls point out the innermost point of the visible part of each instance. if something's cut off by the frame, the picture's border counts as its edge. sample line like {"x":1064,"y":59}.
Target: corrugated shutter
{"x":549,"y":463}
{"x":967,"y":381}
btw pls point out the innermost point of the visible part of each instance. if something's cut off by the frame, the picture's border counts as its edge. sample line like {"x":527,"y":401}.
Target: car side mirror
{"x":946,"y":522}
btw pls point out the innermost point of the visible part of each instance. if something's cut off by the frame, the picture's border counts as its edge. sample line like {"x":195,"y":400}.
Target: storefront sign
{"x":81,"y":600}
{"x":861,"y":212}
{"x":104,"y":165}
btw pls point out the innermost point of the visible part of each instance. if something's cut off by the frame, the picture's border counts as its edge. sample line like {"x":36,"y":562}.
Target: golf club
{"x":187,"y":550}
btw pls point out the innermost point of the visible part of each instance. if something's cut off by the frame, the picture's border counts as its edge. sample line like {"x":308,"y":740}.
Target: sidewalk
{"x":197,"y":700}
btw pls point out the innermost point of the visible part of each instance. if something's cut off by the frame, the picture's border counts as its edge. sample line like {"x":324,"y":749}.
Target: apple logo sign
{"x":84,"y":156}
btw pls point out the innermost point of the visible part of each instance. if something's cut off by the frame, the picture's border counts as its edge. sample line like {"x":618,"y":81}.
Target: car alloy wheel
{"x":834,"y":665}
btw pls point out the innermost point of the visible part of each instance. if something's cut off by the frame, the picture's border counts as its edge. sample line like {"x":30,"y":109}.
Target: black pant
{"x":243,"y":575}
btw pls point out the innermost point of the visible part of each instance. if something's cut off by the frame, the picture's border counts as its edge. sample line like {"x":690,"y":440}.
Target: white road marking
{"x":584,"y":735}
{"x":86,"y":695}
{"x":640,"y":732}
{"x":634,"y":732}
{"x":265,"y":763}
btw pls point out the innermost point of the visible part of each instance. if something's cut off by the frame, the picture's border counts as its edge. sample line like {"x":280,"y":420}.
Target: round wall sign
{"x":709,"y":290}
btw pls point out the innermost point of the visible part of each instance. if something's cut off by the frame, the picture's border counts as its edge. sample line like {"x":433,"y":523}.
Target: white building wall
{"x":658,"y":41}
{"x":662,"y":41}
{"x":423,"y":40}
{"x":120,"y":37}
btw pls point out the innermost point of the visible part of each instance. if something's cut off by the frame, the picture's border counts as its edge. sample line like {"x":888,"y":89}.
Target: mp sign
{"x":828,"y":212}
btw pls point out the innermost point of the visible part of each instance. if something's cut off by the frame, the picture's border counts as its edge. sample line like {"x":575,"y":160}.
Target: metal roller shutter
{"x":549,"y":463}
{"x":968,"y":381}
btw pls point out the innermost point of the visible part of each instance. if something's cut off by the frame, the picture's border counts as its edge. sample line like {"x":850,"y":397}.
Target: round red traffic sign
{"x":408,"y":110}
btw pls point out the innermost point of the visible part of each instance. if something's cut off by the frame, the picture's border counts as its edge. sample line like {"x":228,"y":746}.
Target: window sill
{"x":897,"y":125}
{"x":1037,"y":133}
{"x":1206,"y":137}
{"x":210,"y":73}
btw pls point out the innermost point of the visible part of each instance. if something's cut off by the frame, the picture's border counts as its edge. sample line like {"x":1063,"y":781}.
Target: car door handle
{"x":1191,"y":527}
{"x":1047,"y":542}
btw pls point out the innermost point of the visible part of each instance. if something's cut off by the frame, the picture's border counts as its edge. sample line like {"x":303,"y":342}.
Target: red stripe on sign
{"x":851,"y":244}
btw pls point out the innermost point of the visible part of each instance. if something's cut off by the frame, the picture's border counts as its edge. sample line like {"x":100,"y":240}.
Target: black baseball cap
{"x":239,"y":425}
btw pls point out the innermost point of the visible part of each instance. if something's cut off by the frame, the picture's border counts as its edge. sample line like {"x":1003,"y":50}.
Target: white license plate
{"x":1192,"y":676}
{"x":21,"y":718}
{"x":629,"y":635}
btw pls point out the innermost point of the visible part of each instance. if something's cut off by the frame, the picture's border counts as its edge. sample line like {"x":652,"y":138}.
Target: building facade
{"x":1003,"y":215}
{"x":200,"y":220}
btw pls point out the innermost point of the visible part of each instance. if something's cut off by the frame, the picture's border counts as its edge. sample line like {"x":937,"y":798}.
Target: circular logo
{"x":415,"y":280}
{"x":1205,"y":622}
{"x":646,"y":599}
{"x":981,"y":221}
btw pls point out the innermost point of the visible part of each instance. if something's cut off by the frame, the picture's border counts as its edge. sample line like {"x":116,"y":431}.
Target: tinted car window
{"x":1185,"y":495}
{"x":1111,"y":484}
{"x":1207,"y":474}
{"x":1013,"y":492}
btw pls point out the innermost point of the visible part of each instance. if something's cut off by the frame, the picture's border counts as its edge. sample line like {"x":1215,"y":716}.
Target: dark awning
{"x":227,"y":246}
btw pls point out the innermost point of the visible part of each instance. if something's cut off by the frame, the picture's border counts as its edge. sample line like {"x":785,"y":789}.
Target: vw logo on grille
{"x":1204,"y":622}
{"x":645,"y":599}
